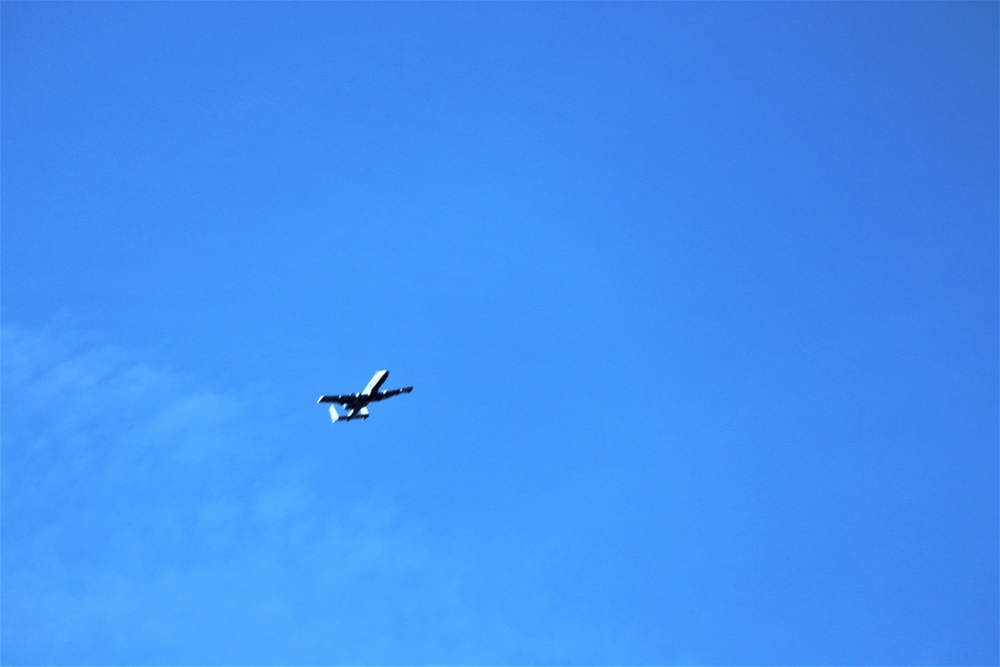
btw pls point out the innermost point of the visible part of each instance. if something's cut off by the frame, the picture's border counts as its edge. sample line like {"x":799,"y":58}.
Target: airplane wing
{"x":347,"y":400}
{"x":392,"y":392}
{"x":373,"y":385}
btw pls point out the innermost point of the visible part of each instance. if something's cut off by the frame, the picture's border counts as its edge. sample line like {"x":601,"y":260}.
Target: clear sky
{"x":699,"y":301}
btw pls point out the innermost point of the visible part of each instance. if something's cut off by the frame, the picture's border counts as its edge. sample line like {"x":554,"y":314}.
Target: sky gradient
{"x":699,"y":302}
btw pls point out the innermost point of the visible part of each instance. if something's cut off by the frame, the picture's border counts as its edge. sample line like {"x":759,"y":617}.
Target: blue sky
{"x":699,"y":301}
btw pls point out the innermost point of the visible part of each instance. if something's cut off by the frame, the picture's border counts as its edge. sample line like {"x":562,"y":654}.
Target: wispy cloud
{"x":144,"y":522}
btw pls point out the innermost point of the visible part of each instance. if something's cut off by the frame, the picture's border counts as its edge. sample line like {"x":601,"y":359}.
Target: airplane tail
{"x":335,"y":416}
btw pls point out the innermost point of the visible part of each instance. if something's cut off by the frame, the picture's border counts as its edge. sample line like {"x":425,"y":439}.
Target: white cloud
{"x":145,"y":522}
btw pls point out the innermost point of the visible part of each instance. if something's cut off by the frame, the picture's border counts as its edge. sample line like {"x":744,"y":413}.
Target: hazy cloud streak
{"x":142,"y":516}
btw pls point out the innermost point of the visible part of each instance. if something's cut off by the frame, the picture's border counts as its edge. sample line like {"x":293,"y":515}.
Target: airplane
{"x":356,"y":404}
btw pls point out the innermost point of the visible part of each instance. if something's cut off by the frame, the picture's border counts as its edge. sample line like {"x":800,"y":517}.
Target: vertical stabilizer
{"x":334,"y":415}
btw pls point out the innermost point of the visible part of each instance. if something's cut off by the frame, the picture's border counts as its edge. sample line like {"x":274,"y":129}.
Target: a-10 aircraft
{"x":356,"y":404}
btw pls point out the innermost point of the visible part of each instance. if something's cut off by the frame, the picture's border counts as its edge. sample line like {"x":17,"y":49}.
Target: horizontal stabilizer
{"x":353,"y":414}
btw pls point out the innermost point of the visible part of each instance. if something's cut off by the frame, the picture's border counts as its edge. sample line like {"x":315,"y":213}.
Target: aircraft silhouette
{"x":356,"y":404}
